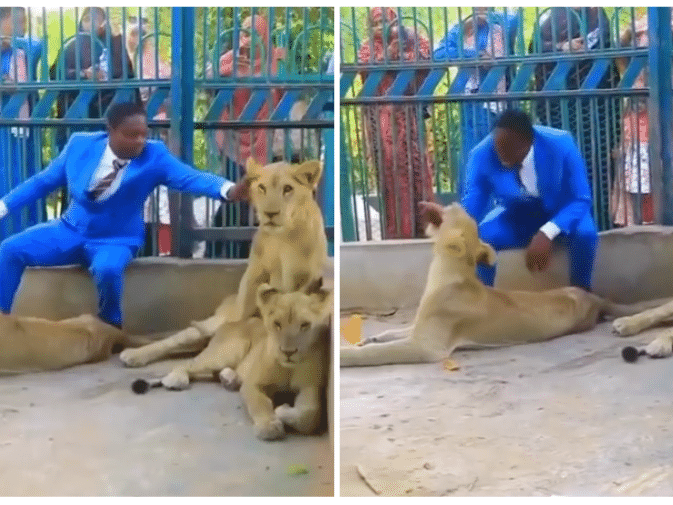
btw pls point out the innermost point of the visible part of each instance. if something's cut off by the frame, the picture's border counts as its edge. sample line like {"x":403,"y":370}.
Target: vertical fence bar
{"x":660,"y":112}
{"x":182,"y":122}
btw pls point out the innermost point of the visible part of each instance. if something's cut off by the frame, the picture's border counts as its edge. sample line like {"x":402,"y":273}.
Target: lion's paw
{"x":177,"y":380}
{"x":271,"y":430}
{"x":133,"y":358}
{"x":286,"y":414}
{"x":230,"y":379}
{"x":624,"y":327}
{"x":661,"y":347}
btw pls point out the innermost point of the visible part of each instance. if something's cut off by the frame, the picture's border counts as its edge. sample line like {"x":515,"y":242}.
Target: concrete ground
{"x":82,"y":432}
{"x":564,"y":417}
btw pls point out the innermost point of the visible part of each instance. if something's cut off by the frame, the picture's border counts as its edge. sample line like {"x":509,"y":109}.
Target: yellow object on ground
{"x":450,"y":365}
{"x":351,"y":329}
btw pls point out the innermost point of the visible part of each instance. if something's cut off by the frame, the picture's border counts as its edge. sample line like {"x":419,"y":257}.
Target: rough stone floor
{"x":82,"y":432}
{"x":565,"y":417}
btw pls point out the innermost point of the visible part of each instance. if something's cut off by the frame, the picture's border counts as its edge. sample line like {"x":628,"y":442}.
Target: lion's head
{"x":294,"y":321}
{"x":458,"y":237}
{"x":280,"y":192}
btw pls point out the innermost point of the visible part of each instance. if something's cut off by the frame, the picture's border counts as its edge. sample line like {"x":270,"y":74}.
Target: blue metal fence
{"x":219,"y":84}
{"x":421,"y":86}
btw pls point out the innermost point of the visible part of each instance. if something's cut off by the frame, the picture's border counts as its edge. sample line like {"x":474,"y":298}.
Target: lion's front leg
{"x":305,"y":415}
{"x":631,"y":325}
{"x":260,"y":408}
{"x":182,"y":341}
{"x":245,"y":304}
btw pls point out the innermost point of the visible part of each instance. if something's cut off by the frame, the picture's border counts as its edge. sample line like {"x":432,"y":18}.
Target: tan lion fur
{"x":289,"y":251}
{"x":457,"y":310}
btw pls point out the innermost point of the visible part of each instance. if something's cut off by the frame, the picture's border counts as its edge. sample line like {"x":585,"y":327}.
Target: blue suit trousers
{"x":513,"y":227}
{"x":55,"y":244}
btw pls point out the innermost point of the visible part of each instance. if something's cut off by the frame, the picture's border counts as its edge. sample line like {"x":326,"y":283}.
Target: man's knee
{"x":10,"y":249}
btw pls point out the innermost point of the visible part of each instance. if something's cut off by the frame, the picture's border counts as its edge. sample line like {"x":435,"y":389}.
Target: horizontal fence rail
{"x":420,"y":87}
{"x":219,"y":85}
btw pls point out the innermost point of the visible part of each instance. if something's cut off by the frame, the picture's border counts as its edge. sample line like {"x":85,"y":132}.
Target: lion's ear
{"x":314,"y":287}
{"x":322,"y":301}
{"x":486,"y":254}
{"x":308,"y":173}
{"x":253,"y":170}
{"x":265,"y":293}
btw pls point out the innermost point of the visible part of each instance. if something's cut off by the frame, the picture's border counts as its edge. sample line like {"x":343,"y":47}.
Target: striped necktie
{"x":107,"y":181}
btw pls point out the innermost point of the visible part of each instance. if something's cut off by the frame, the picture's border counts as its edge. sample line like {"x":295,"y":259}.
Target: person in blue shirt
{"x":109,"y":176}
{"x":538,"y":178}
{"x":477,"y":118}
{"x":20,"y":146}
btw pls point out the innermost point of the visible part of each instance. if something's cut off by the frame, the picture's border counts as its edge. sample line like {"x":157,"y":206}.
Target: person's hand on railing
{"x":571,"y":45}
{"x":88,"y":73}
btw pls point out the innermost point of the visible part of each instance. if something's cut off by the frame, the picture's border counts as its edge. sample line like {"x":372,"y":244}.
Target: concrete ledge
{"x":160,"y":294}
{"x":632,"y":264}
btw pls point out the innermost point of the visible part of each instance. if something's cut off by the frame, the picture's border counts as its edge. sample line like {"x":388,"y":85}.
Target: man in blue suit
{"x":109,"y":176}
{"x":538,"y":179}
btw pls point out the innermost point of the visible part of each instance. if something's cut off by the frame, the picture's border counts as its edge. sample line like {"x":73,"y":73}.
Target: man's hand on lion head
{"x":431,"y":213}
{"x":239,"y":192}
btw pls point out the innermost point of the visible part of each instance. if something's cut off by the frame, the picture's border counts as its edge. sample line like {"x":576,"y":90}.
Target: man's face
{"x":95,"y":19}
{"x":128,"y":139}
{"x":510,"y":147}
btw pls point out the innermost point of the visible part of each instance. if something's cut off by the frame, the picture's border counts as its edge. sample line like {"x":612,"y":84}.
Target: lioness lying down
{"x":31,"y":344}
{"x":289,"y":251}
{"x":287,"y":349}
{"x":457,"y":310}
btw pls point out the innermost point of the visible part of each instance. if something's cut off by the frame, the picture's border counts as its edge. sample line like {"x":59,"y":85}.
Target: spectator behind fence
{"x":632,"y":180}
{"x":110,"y":175}
{"x":77,"y":61}
{"x":596,"y":122}
{"x":238,"y":145}
{"x":14,"y":141}
{"x":494,"y":36}
{"x":393,"y":134}
{"x":538,"y":179}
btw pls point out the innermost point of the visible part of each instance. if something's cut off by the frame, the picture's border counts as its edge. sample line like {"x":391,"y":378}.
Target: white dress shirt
{"x":529,"y":181}
{"x":104,"y":169}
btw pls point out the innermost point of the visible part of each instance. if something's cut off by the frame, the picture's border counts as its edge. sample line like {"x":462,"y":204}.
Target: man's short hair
{"x":119,"y":111}
{"x":97,"y":11}
{"x":517,"y":121}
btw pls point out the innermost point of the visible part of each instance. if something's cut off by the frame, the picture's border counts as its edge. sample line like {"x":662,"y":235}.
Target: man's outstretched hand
{"x":538,"y":253}
{"x":238,"y":192}
{"x":431,"y":213}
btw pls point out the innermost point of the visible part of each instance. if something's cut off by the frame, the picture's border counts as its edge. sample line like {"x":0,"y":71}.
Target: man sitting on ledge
{"x":109,"y":176}
{"x":539,"y":181}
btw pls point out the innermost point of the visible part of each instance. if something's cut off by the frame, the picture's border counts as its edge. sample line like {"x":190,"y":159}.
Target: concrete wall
{"x":632,"y":264}
{"x":160,"y":294}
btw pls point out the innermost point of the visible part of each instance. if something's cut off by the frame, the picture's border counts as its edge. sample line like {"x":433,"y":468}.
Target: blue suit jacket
{"x":561,"y":177}
{"x":119,"y":218}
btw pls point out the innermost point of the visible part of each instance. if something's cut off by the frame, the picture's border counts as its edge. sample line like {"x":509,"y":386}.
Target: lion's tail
{"x":405,"y":350}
